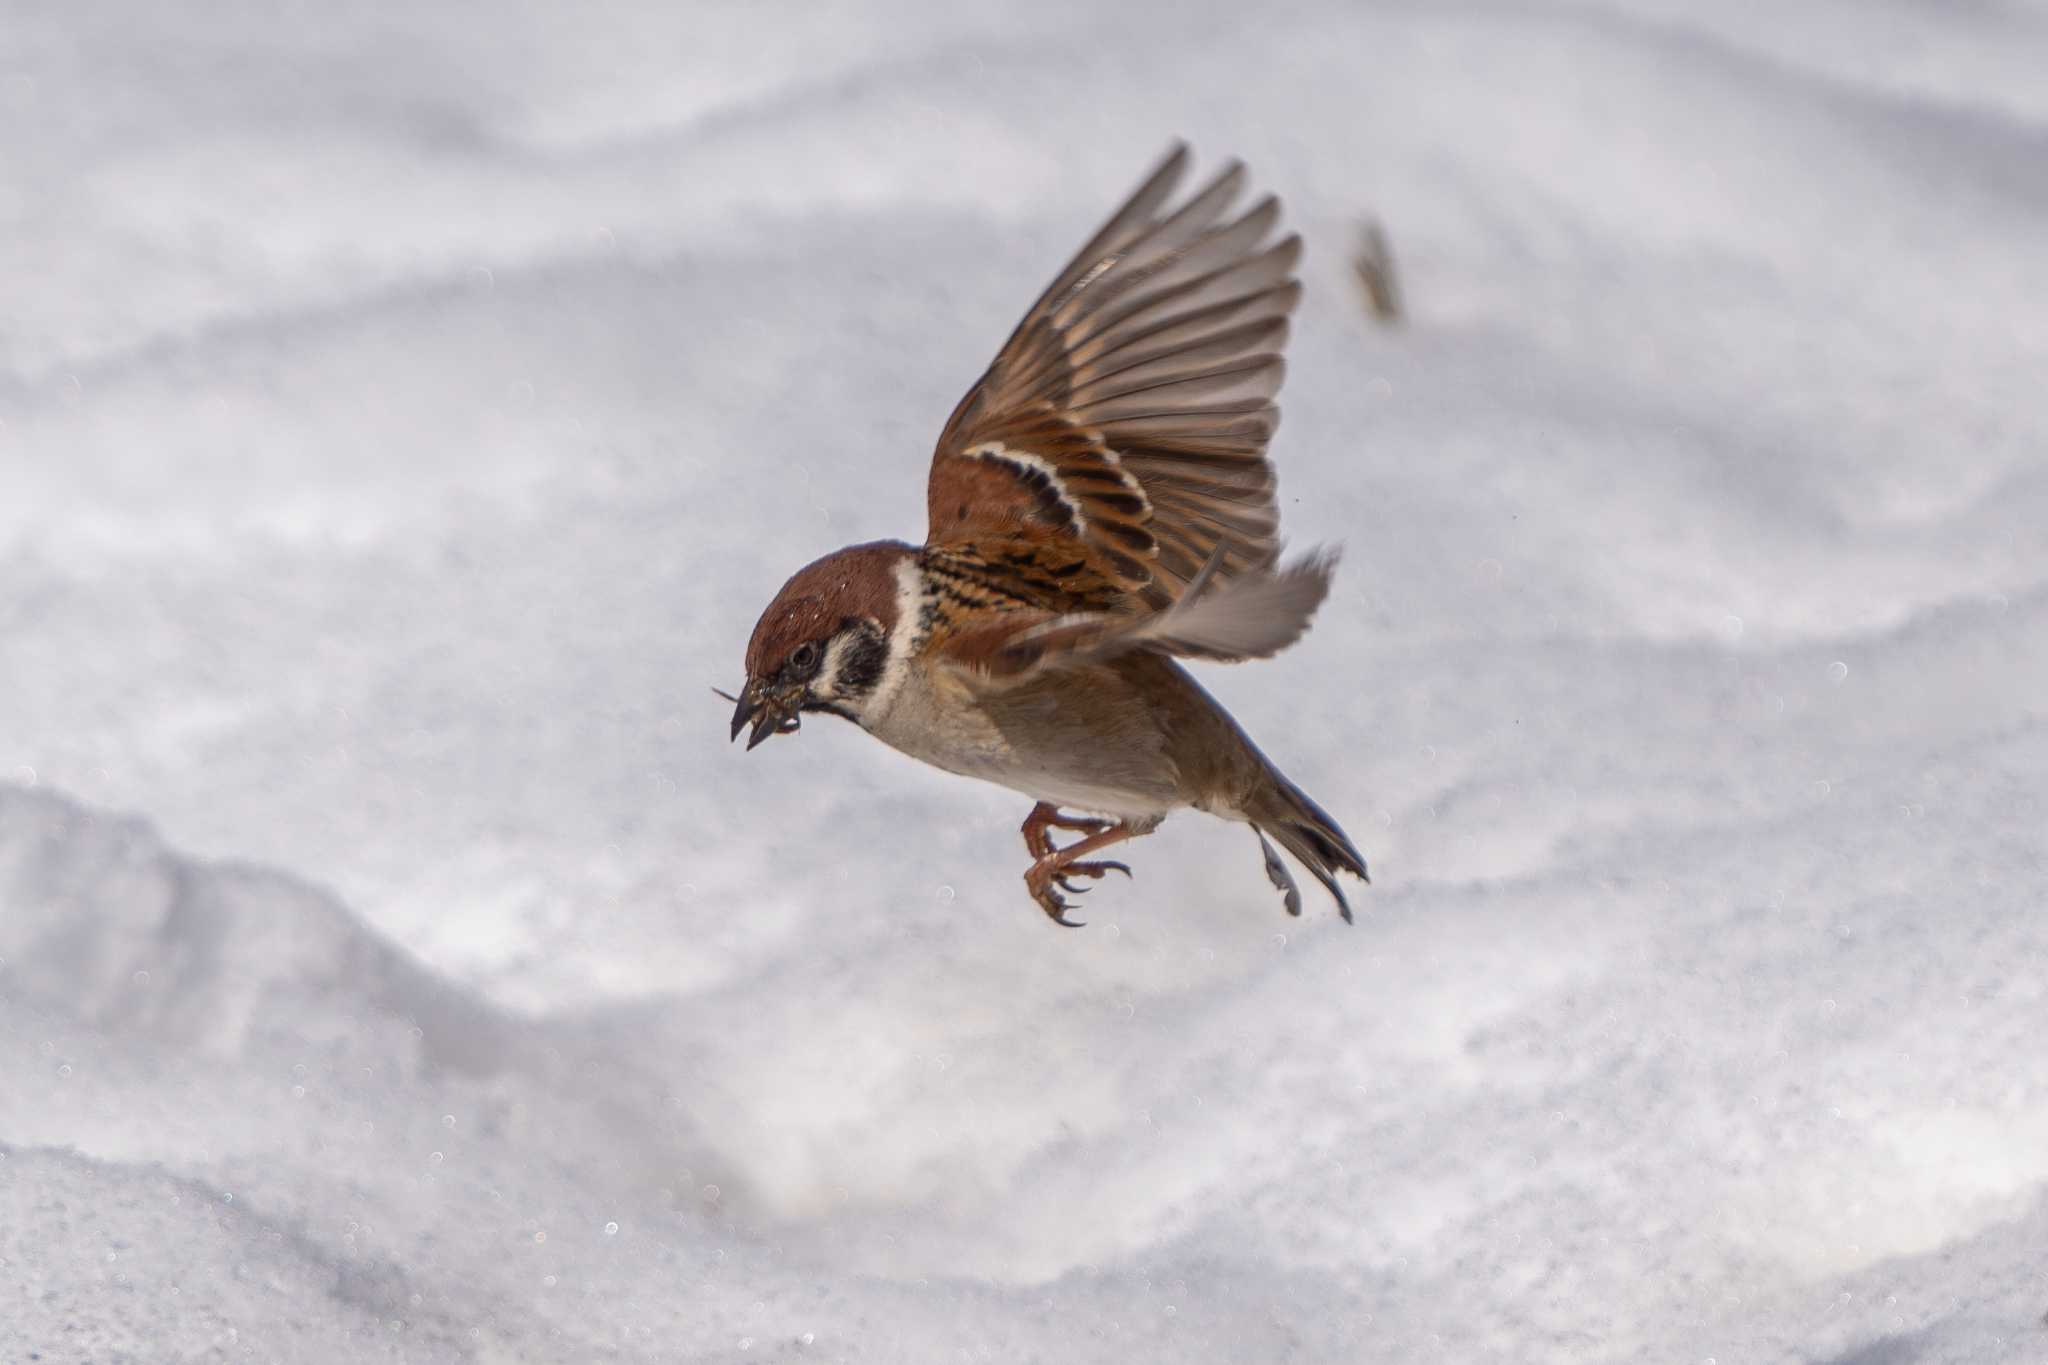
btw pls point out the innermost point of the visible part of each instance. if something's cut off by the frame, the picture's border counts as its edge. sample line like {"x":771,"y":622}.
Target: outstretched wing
{"x":1125,"y":421}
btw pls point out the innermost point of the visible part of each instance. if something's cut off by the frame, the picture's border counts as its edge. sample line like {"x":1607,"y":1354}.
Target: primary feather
{"x":1126,"y":419}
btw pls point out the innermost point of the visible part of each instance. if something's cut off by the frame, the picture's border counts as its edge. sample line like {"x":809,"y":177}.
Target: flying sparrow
{"x":1100,"y":507}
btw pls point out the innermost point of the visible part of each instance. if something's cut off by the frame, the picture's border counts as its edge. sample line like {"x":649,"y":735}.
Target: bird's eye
{"x":805,"y":658}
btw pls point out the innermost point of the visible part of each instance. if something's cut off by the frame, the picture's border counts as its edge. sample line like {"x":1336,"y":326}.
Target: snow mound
{"x":111,"y":929}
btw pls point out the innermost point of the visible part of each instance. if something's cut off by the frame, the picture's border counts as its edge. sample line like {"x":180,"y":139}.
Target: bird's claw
{"x":1040,"y":882}
{"x":1092,"y":870}
{"x":1063,"y":879}
{"x":1055,"y":908}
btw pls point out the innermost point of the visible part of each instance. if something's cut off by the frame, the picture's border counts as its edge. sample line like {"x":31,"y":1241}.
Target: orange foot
{"x":1058,"y":866}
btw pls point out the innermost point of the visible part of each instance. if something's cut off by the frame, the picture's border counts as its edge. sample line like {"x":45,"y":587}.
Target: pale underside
{"x":1112,"y":760}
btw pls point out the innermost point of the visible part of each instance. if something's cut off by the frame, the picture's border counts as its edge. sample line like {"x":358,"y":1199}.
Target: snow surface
{"x":405,"y":411}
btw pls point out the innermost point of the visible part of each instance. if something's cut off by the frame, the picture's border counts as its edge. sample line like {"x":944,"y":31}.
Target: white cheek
{"x":903,"y":640}
{"x":826,"y":688}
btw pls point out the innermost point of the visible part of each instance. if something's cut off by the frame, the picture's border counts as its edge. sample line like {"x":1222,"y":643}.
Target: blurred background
{"x":405,"y":411}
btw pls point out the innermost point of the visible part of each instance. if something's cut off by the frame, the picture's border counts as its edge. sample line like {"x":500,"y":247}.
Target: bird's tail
{"x":1305,"y":830}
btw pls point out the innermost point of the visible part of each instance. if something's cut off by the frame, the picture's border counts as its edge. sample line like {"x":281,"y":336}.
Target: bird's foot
{"x":1050,"y":872}
{"x":1055,"y":905}
{"x":1058,"y":867}
{"x":1044,"y":818}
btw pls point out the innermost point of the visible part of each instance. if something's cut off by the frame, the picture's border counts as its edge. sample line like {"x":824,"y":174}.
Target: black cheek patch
{"x":860,"y":666}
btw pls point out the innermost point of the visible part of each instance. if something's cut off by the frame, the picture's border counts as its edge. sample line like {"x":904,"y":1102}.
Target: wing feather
{"x":1253,"y":615}
{"x":1126,"y":419}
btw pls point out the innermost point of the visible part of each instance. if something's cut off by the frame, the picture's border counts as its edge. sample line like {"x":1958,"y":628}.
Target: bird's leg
{"x":1060,"y":864}
{"x":1045,"y":816}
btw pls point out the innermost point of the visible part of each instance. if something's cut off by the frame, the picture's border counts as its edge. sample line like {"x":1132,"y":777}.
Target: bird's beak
{"x":769,"y":715}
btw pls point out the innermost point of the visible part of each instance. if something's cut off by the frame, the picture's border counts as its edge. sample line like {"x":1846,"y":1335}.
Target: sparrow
{"x":1100,"y":508}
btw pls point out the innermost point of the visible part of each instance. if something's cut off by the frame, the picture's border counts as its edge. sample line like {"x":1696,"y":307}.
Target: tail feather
{"x":1305,"y":830}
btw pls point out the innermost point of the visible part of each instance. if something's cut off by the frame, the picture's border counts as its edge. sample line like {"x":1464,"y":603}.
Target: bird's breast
{"x":927,"y":722}
{"x":1056,"y":740}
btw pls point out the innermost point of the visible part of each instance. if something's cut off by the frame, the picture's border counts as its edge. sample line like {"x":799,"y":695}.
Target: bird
{"x":1100,"y":507}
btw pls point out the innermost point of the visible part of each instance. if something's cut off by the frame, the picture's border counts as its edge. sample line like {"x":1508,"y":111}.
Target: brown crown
{"x":857,"y":581}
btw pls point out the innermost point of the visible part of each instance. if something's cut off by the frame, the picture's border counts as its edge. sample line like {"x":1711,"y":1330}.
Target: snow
{"x":403,"y":417}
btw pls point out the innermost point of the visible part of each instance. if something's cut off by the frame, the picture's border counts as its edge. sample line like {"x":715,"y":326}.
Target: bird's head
{"x":828,"y":642}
